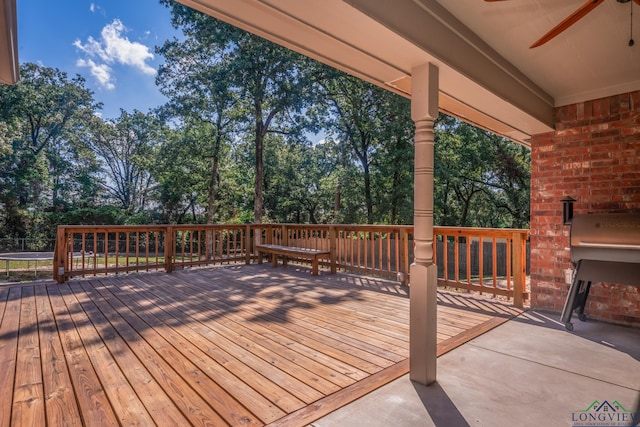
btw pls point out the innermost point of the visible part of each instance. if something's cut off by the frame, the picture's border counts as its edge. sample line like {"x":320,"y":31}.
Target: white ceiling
{"x":589,"y":60}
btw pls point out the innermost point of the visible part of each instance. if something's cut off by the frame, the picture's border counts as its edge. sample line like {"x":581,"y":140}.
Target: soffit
{"x":8,"y":42}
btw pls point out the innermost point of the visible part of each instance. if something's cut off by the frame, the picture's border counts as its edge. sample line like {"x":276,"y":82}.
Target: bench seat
{"x":314,"y":255}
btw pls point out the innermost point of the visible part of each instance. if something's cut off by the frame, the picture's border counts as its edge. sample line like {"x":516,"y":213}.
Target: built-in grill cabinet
{"x":604,"y":248}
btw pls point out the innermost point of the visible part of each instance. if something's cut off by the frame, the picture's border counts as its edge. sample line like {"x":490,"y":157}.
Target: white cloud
{"x":92,"y":8}
{"x":101,"y":72}
{"x":114,"y":47}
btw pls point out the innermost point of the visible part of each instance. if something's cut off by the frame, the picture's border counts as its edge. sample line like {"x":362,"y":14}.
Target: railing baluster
{"x":95,"y":253}
{"x":84,"y":243}
{"x":519,"y":268}
{"x":445,"y":257}
{"x":106,"y":250}
{"x":182,"y":244}
{"x":481,"y":262}
{"x":117,"y":239}
{"x":467,"y":240}
{"x":456,"y":263}
{"x":137,"y":251}
{"x":508,"y":262}
{"x":157,"y":238}
{"x":127,"y":243}
{"x":494,"y":264}
{"x":146,"y":244}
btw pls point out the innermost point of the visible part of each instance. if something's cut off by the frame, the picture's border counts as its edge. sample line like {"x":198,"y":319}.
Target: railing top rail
{"x":111,"y":228}
{"x":340,"y":226}
{"x":449,"y":230}
{"x":476,"y":231}
{"x":154,"y":227}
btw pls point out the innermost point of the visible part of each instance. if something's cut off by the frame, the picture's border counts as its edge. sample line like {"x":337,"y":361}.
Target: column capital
{"x":424,"y":92}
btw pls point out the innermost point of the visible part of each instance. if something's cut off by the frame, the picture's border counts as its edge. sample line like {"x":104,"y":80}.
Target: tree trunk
{"x":258,"y":196}
{"x":343,"y":165}
{"x":213,"y":182}
{"x":367,"y":191}
{"x":312,"y":215}
{"x":395,"y":200}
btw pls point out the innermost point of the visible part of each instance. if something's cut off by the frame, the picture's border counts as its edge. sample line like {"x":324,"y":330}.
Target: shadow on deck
{"x":243,"y":345}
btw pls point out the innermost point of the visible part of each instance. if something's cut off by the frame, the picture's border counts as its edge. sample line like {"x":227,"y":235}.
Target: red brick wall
{"x":594,"y":157}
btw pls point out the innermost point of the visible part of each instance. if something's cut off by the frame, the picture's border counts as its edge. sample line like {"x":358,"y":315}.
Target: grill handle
{"x":609,"y":245}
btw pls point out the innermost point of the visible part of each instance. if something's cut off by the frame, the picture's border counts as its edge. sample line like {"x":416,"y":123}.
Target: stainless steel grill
{"x":604,"y":248}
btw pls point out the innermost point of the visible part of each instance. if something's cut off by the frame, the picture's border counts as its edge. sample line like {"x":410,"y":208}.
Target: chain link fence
{"x":26,"y":245}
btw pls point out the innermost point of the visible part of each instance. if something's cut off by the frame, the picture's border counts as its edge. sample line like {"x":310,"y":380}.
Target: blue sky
{"x":111,"y":43}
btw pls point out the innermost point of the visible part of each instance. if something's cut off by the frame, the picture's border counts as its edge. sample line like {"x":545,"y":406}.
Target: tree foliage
{"x":40,"y":116}
{"x":481,"y":180}
{"x":126,"y":148}
{"x":375,"y":128}
{"x":270,"y":82}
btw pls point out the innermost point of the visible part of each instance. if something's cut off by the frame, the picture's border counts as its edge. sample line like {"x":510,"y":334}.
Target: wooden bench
{"x":313,"y":255}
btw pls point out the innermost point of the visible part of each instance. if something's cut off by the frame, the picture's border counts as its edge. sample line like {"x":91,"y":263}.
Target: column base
{"x":423,"y":323}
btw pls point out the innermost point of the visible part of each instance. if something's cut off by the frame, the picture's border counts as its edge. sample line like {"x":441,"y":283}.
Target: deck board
{"x":61,"y":406}
{"x":237,"y":345}
{"x":9,"y":352}
{"x":179,"y":355}
{"x":282,"y":355}
{"x":124,"y":400}
{"x":28,"y":399}
{"x":92,"y":400}
{"x":252,"y":357}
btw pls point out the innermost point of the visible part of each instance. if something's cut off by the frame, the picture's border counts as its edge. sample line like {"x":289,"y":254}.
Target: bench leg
{"x":274,"y":260}
{"x":260,"y":255}
{"x":314,"y":266}
{"x":284,"y":260}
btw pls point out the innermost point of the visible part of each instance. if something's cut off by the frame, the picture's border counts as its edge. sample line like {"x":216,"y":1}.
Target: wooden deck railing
{"x":484,"y":260}
{"x":92,"y":250}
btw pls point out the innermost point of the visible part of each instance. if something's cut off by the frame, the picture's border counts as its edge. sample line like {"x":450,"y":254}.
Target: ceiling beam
{"x":431,"y":27}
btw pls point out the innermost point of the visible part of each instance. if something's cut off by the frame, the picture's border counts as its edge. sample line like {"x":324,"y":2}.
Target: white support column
{"x":424,"y":110}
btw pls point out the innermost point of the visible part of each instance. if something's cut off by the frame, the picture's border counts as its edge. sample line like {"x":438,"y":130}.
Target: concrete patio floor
{"x":526,"y":372}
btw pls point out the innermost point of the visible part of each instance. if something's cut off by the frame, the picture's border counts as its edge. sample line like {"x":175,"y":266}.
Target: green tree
{"x":202,"y":98}
{"x":299,"y":184}
{"x":481,"y":180}
{"x":393,"y":179}
{"x":41,"y":113}
{"x":376,"y":128}
{"x":271,"y":82}
{"x":126,"y":147}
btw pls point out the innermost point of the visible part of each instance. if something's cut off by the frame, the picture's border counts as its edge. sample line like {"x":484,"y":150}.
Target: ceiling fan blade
{"x":569,"y":21}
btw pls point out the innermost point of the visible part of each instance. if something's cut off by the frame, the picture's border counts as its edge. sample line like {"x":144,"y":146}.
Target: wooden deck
{"x":241,"y":346}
